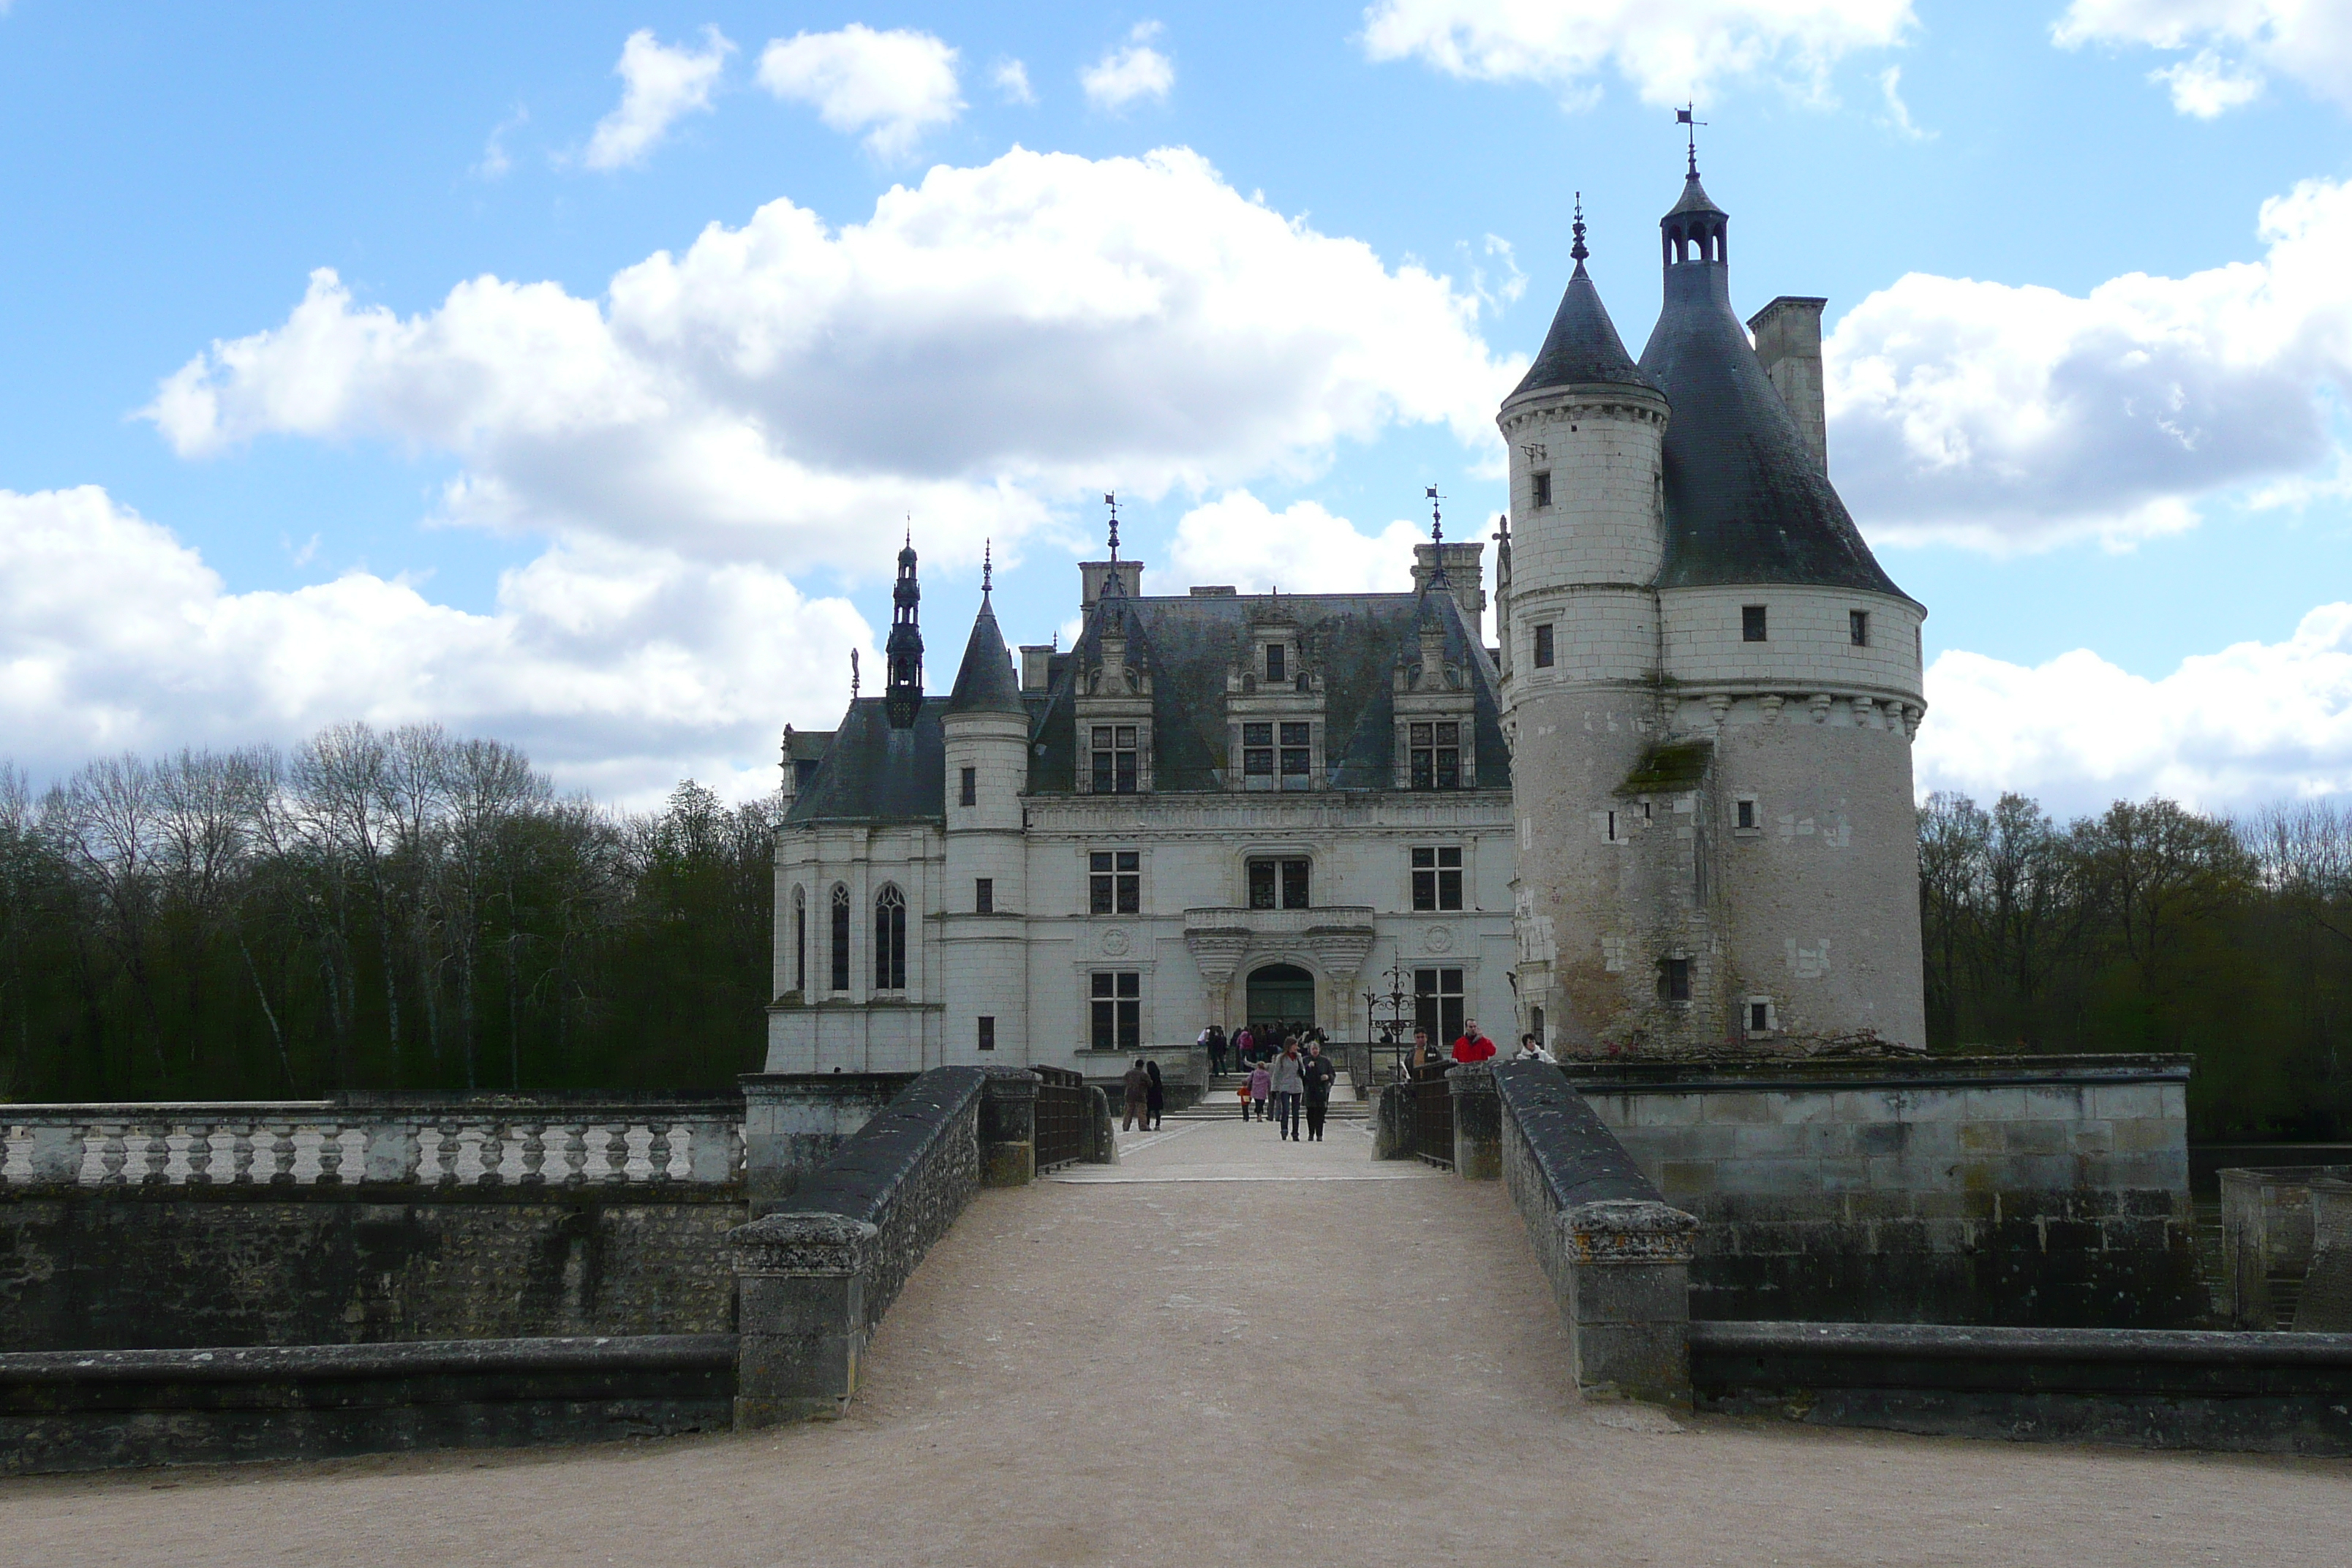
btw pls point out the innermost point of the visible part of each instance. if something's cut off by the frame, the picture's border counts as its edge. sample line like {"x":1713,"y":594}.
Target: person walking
{"x":1213,"y":1038}
{"x":1287,"y":1084}
{"x":1155,"y":1099}
{"x":1138,"y":1084}
{"x":1242,"y":1043}
{"x":1261,"y":1086}
{"x":1318,"y":1073}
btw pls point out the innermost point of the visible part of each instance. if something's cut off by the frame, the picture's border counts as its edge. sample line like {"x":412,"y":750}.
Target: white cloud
{"x":2006,"y":417}
{"x":658,"y":84}
{"x":618,"y":668}
{"x":1128,"y":75}
{"x":1666,"y":52}
{"x":497,"y":162}
{"x":1238,"y":539}
{"x":891,"y":86}
{"x":2309,"y":41}
{"x":1898,"y":113}
{"x":2255,"y":723}
{"x":991,"y":344}
{"x":1012,"y":79}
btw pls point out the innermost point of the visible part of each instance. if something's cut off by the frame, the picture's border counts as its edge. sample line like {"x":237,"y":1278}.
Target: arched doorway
{"x":1282,"y":994}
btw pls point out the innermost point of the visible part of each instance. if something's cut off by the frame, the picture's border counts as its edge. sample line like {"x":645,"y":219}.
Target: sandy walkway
{"x":1167,"y":1369}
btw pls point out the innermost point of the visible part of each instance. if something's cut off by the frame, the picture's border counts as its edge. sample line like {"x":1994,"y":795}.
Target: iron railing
{"x":1432,"y":1115}
{"x":1061,"y":1117}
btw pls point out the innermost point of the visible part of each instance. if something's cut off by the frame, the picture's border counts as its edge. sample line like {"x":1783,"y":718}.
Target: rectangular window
{"x":1543,"y":645}
{"x":1281,"y":884}
{"x":800,"y":943}
{"x":1438,"y":1003}
{"x":987,"y":1033}
{"x":1611,"y":832}
{"x":1297,"y":756}
{"x":1759,"y":1018}
{"x":1294,"y":884}
{"x":983,"y":895}
{"x":1857,"y":626}
{"x":1275,"y":662}
{"x":1115,"y":882}
{"x":1746,"y":813}
{"x":1257,"y":751}
{"x":1543,"y":490}
{"x":1673,"y":983}
{"x":1751,"y":623}
{"x":1436,"y":755}
{"x":969,"y":792}
{"x":1261,"y":884}
{"x":1117,"y":1010}
{"x":1114,"y":759}
{"x":1437,"y":879}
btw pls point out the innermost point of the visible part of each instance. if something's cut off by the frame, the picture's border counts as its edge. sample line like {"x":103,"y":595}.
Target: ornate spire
{"x":1437,"y":541}
{"x":1113,"y":586}
{"x":902,"y":698}
{"x":987,"y":570}
{"x":1576,"y":253}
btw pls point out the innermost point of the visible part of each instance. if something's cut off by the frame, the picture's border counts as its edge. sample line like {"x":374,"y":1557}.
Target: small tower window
{"x":1274,"y":662}
{"x":1744,"y":814}
{"x":1759,"y":1016}
{"x":968,"y":792}
{"x":987,"y":1033}
{"x":983,"y":895}
{"x":1543,"y":645}
{"x":1751,"y":623}
{"x":1543,"y":490}
{"x":1674,"y":980}
{"x":1857,"y":625}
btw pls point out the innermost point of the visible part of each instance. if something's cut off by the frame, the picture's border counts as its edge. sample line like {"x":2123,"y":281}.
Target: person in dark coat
{"x":1155,"y":1099}
{"x":1316,"y":1075}
{"x":1137,"y":1085}
{"x":1215,"y":1038}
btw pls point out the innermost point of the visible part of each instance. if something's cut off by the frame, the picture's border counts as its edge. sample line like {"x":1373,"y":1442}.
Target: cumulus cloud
{"x":1667,"y":53}
{"x":2234,"y":43}
{"x":659,"y":85}
{"x":2005,"y":418}
{"x":994,"y":344}
{"x":2254,"y":722}
{"x":1238,"y":539}
{"x":1012,"y":79}
{"x":891,"y":86}
{"x":1129,"y":74}
{"x":618,"y":668}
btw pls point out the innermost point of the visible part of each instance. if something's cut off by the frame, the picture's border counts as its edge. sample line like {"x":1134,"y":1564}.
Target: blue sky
{"x":637,"y":355}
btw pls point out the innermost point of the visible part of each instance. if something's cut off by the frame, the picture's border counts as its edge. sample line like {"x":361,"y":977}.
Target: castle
{"x":1669,"y":809}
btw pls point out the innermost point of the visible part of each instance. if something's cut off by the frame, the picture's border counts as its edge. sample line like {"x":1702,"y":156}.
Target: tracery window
{"x":840,"y":937}
{"x":800,"y":939}
{"x":891,"y":941}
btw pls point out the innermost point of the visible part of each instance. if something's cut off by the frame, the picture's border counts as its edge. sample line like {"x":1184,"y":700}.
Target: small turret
{"x":902,"y":698}
{"x":985,"y":682}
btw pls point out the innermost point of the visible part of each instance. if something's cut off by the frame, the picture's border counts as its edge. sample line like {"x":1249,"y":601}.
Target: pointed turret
{"x":1583,"y":349}
{"x":985,"y":683}
{"x":902,"y":698}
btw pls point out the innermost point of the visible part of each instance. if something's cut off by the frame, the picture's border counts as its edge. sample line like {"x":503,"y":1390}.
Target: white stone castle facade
{"x":1669,"y":809}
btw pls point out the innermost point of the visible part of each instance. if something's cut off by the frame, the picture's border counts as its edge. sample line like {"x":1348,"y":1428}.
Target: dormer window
{"x":1275,"y":662}
{"x":1257,"y":751}
{"x":1298,"y":767}
{"x":1437,"y":755}
{"x":1114,"y":759}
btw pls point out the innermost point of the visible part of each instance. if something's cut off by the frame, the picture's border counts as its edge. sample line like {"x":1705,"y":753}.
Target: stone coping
{"x":1580,"y":1160}
{"x":1819,"y":1075}
{"x":859,"y":1180}
{"x":425,"y":1358}
{"x":1946,"y":1342}
{"x":556,"y":1105}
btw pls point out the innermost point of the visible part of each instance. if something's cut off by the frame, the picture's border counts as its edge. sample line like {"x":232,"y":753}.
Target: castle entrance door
{"x":1282,"y":994}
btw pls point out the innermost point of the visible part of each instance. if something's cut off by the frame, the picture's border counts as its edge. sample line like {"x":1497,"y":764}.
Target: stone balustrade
{"x":323,"y":1144}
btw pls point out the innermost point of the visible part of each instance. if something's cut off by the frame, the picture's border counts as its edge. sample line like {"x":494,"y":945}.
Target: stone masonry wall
{"x":2050,"y":1191}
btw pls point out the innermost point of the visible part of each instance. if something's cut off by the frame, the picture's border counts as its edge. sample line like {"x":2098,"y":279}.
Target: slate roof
{"x":1583,"y":348}
{"x":986,"y":683}
{"x":1745,"y":503}
{"x":874,"y":773}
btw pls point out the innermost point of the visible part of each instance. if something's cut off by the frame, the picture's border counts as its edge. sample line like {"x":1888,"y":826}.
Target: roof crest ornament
{"x":987,"y":570}
{"x":1576,"y":253}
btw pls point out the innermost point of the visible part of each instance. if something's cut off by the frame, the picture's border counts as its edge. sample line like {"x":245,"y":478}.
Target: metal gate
{"x":1432,"y":1116}
{"x":1061,"y":1117}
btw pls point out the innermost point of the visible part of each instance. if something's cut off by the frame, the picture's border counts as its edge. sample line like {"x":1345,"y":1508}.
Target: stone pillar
{"x":1008,"y":1127}
{"x":1628,"y":1297}
{"x":800,"y":1290}
{"x":1102,"y":1140}
{"x":1393,"y":1123}
{"x":1478,"y":1121}
{"x":2326,"y":1307}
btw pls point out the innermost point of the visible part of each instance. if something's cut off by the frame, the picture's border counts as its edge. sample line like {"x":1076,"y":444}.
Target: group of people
{"x":1285,"y":1082}
{"x":1473,"y":1047}
{"x":1147,"y":1096}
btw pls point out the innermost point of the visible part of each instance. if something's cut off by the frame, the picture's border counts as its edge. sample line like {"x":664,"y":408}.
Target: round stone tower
{"x":985,"y":731}
{"x":1717,"y":840}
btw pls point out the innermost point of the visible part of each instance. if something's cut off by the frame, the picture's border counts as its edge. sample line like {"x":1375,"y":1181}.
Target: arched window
{"x":840,"y":937}
{"x":891,"y":941}
{"x":800,"y":939}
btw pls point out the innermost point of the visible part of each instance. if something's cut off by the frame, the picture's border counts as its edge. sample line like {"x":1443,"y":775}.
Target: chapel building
{"x":1669,"y":810}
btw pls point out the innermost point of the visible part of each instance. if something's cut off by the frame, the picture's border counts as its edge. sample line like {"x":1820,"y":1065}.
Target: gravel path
{"x":1176,"y":1366}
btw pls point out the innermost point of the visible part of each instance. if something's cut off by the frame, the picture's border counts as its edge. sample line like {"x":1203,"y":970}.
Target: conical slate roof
{"x":1583,"y":348}
{"x":986,"y":684}
{"x":1695,"y":200}
{"x":1745,"y":501}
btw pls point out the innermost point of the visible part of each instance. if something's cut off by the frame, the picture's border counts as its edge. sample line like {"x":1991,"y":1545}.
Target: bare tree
{"x":342,"y":783}
{"x":107,"y":821}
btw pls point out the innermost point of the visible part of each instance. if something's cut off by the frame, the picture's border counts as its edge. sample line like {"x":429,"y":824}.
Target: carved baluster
{"x":200,"y":1155}
{"x":114,"y":1154}
{"x":331,"y":1155}
{"x":445,"y":1164}
{"x":616,"y":1154}
{"x":534,"y":1151}
{"x":157,"y":1154}
{"x":494,"y":1155}
{"x":575,"y":1154}
{"x":240,"y":1153}
{"x":657,"y":1150}
{"x":281,"y":1153}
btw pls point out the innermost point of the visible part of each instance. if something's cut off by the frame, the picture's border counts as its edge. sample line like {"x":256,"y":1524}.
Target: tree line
{"x":375,"y":909}
{"x":2151,"y":927}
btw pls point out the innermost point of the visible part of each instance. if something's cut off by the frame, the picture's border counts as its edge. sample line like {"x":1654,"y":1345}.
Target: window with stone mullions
{"x":1257,"y":751}
{"x":1114,"y":751}
{"x":1437,"y":1003}
{"x":1115,"y":882}
{"x":1437,"y":879}
{"x":1437,"y":755}
{"x":1296,"y":753}
{"x":1117,"y":1010}
{"x":1279,"y":884}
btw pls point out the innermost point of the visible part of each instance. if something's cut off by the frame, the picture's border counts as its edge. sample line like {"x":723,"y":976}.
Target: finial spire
{"x":852,"y":675}
{"x":1111,"y":583}
{"x":1437,"y":540}
{"x":1576,"y":253}
{"x":1683,"y":116}
{"x":987,"y":568}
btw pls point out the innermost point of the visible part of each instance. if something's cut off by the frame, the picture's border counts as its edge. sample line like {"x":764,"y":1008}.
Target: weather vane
{"x":1683,"y":116}
{"x":1436,"y":519}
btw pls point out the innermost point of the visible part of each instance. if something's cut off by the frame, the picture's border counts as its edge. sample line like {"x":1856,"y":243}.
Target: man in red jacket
{"x":1473,"y":1047}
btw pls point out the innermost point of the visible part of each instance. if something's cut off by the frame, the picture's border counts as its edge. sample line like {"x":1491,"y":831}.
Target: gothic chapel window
{"x":840,"y":934}
{"x":800,"y":939}
{"x":891,"y":941}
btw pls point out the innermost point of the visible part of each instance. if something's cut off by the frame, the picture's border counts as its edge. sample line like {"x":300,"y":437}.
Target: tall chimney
{"x":1789,"y":341}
